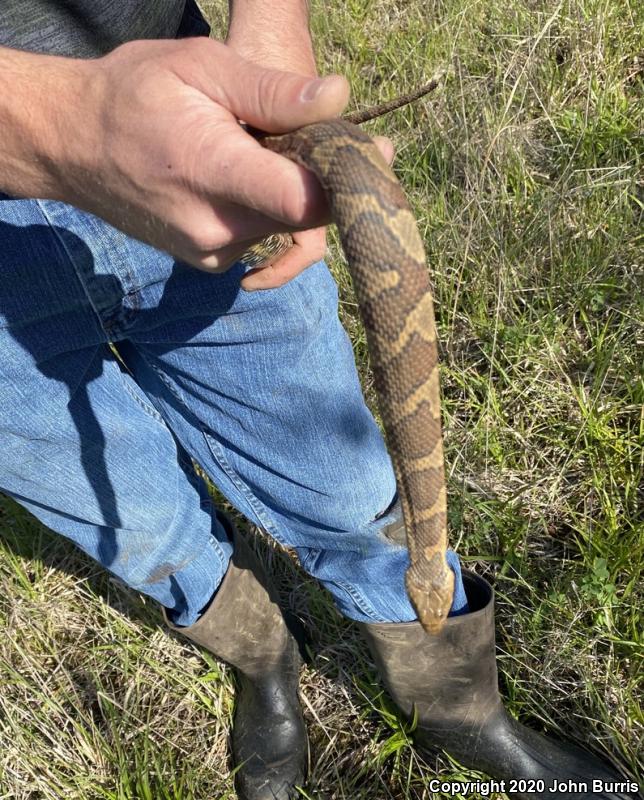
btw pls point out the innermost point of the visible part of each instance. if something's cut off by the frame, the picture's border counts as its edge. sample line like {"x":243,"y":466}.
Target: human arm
{"x":274,"y":34}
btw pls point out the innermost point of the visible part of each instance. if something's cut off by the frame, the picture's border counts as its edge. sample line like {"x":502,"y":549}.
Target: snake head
{"x":432,"y":603}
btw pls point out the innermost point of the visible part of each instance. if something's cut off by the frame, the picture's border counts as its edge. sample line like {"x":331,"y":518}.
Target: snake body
{"x":386,"y":261}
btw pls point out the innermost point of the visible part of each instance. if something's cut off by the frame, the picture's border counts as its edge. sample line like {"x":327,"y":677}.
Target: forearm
{"x":39,"y":100}
{"x":277,"y":31}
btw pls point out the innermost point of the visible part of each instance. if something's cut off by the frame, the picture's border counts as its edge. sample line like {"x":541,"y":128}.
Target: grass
{"x":524,"y":173}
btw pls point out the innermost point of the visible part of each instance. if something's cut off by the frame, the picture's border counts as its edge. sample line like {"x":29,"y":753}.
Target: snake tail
{"x":387,"y":265}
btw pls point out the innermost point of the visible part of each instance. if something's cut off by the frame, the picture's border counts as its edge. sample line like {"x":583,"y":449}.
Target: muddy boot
{"x":451,"y":679}
{"x":245,"y":627}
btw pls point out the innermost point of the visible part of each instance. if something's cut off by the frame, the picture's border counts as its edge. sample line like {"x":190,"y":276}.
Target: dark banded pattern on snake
{"x":387,"y":264}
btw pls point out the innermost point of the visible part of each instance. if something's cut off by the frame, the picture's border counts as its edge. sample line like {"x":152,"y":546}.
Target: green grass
{"x":523,"y":171}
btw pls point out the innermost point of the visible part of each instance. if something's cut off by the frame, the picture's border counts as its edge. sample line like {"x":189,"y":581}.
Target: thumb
{"x":272,"y":100}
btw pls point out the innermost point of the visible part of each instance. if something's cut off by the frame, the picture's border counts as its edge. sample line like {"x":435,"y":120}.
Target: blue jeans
{"x":259,"y":388}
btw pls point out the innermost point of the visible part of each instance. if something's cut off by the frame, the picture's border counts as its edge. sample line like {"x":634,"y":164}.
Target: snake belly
{"x":386,"y":261}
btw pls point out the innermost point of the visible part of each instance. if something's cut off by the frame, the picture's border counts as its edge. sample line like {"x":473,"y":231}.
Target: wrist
{"x":71,"y":143}
{"x":275,"y":36}
{"x":32,"y":89}
{"x":279,"y":15}
{"x":39,"y":97}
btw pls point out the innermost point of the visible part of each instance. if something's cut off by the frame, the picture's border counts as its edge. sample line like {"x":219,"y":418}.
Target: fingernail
{"x":311,"y":90}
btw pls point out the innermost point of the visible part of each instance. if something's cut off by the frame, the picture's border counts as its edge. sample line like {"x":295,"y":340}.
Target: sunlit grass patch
{"x":524,"y":170}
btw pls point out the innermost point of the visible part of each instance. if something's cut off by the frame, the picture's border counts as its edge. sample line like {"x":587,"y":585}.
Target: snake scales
{"x":387,"y":265}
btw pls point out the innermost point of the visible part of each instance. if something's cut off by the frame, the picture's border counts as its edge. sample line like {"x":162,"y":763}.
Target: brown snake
{"x":387,"y":265}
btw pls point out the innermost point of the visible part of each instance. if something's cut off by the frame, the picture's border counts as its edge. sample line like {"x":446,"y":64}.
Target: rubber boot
{"x":244,"y":626}
{"x":451,"y":681}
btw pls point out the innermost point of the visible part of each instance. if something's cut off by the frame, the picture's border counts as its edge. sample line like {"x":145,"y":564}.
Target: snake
{"x":390,"y":277}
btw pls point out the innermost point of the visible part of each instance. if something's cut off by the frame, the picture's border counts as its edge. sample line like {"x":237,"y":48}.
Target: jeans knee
{"x":360,"y":501}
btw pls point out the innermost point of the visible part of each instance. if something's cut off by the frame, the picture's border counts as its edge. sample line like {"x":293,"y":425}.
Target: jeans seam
{"x":254,"y":502}
{"x":149,"y":410}
{"x":215,"y":544}
{"x":162,"y":377}
{"x":361,"y":602}
{"x":359,"y":599}
{"x":153,"y":412}
{"x":109,"y":322}
{"x":258,"y":507}
{"x":64,"y":248}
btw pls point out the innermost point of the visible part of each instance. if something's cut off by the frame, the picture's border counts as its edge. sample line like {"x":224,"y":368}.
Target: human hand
{"x":155,"y":148}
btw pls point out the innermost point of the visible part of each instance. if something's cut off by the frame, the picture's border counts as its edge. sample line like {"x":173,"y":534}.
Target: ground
{"x":523,"y":172}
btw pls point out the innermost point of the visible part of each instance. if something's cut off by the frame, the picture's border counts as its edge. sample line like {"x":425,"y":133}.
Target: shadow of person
{"x":54,"y":337}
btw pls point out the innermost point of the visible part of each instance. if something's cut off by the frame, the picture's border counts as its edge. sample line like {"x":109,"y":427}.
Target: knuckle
{"x":267,"y":88}
{"x":205,"y":237}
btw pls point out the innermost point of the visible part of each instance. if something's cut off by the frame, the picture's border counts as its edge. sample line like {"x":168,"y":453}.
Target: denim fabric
{"x":259,"y":388}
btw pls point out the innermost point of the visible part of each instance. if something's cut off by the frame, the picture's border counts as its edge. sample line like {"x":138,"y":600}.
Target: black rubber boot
{"x":245,"y":627}
{"x":451,"y":680}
